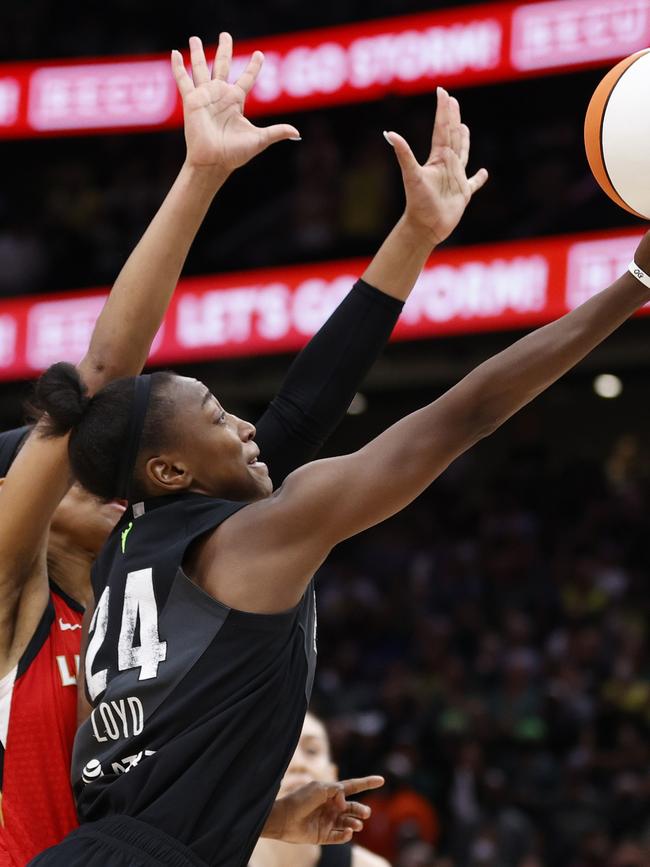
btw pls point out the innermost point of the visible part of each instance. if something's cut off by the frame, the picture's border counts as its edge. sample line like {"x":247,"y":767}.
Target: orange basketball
{"x":617,"y":134}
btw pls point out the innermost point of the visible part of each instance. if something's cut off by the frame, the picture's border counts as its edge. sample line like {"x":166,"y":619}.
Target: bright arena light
{"x":607,"y":385}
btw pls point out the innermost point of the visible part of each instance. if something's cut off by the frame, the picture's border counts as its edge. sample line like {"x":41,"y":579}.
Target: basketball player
{"x":312,"y":401}
{"x":312,"y":760}
{"x":316,"y":811}
{"x":202,"y":645}
{"x":44,"y":700}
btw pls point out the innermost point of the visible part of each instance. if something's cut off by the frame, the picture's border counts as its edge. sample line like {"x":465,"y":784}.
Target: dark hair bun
{"x":61,"y":394}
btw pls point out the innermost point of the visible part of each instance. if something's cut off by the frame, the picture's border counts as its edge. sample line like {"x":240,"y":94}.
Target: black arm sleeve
{"x":324,"y":378}
{"x":10,"y":442}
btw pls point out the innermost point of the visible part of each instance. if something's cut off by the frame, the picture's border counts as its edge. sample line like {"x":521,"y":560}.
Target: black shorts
{"x":118,"y":841}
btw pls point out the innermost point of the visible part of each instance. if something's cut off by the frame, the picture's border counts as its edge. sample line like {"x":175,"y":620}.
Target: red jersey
{"x":38,"y":720}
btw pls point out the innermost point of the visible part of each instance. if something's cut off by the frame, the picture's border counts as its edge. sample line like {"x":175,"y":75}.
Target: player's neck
{"x":273,"y":853}
{"x":69,"y":568}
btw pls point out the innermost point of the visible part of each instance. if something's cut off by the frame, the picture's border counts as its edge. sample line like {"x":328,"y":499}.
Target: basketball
{"x":617,"y":132}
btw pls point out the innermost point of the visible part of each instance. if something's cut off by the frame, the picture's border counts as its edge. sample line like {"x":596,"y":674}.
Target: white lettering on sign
{"x":594,"y":265}
{"x":61,"y":330}
{"x":87,"y":96}
{"x":413,"y":54}
{"x":224,"y":317}
{"x":573,"y":31}
{"x":8,"y":331}
{"x":322,"y":69}
{"x":368,"y":61}
{"x":213,"y":318}
{"x":268,"y":87}
{"x":479,"y":290}
{"x":315,"y":300}
{"x":9,"y":100}
{"x":472,"y":290}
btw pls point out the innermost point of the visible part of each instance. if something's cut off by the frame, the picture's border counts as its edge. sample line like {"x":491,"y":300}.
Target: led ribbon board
{"x":465,"y":290}
{"x":458,"y":47}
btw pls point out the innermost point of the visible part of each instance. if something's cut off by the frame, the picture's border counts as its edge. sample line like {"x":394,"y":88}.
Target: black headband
{"x":142,"y":390}
{"x":9,"y":444}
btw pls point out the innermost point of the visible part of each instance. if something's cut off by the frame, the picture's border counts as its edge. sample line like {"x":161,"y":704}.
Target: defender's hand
{"x":216,"y":132}
{"x":438,"y":192}
{"x":319,"y":813}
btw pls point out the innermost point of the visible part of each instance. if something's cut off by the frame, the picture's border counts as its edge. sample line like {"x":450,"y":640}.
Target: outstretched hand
{"x":216,"y":132}
{"x":438,"y":192}
{"x":319,"y":813}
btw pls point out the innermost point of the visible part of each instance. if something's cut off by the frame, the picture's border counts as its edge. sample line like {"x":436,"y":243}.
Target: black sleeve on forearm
{"x":324,"y":378}
{"x":10,"y":442}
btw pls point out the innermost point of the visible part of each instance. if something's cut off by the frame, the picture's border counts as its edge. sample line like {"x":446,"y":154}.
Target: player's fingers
{"x":357,"y":810}
{"x":362,"y":784}
{"x":478,"y":180}
{"x":407,"y":162}
{"x":315,"y":794}
{"x":455,"y":134}
{"x":345,"y":822}
{"x":278,"y":132}
{"x":183,"y":80}
{"x":464,"y":145}
{"x":200,"y":71}
{"x":223,"y":58}
{"x":339,"y":835}
{"x":441,"y":135}
{"x":249,"y":76}
{"x":339,"y":802}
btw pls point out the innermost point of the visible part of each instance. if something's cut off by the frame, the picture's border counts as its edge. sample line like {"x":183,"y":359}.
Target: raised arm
{"x":219,"y":139}
{"x":328,"y":501}
{"x":330,"y":369}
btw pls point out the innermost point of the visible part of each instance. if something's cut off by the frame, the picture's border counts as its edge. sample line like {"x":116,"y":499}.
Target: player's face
{"x":217,"y":448}
{"x":311,"y":760}
{"x":83,"y":521}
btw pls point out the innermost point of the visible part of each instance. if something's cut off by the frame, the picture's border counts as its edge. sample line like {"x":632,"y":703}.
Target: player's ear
{"x":171,"y":476}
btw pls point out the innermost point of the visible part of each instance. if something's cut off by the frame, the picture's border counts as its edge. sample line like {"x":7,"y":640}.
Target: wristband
{"x":640,"y":275}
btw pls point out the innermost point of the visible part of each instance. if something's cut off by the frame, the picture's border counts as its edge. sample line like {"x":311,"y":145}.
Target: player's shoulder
{"x":175,"y":517}
{"x":364,"y":858}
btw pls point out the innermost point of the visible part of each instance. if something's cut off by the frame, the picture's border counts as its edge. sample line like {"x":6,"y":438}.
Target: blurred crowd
{"x":72,"y":209}
{"x":488,"y":652}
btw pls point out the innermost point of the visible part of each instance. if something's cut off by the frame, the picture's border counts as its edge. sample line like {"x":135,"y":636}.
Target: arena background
{"x":487,"y":651}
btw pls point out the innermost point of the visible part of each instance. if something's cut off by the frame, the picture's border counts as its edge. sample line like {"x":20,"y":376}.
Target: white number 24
{"x":139,"y":601}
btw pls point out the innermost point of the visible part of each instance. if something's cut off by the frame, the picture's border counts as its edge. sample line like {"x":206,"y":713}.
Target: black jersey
{"x":336,"y":856}
{"x":197,"y":708}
